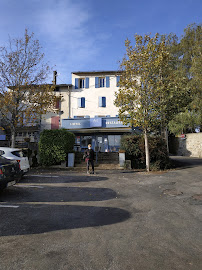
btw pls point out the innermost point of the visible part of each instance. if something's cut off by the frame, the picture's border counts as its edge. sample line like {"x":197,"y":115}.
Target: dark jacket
{"x":89,"y":154}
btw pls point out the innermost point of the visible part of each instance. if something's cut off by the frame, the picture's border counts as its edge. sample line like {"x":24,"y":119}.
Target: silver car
{"x":16,"y":154}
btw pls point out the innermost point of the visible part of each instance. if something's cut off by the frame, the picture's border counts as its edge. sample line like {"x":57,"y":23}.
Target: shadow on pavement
{"x":182,"y":162}
{"x":36,"y":219}
{"x":61,"y":178}
{"x":20,"y":194}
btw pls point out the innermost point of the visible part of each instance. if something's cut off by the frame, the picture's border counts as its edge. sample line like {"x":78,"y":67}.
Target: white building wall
{"x":63,"y":111}
{"x":69,"y":104}
{"x":91,"y":96}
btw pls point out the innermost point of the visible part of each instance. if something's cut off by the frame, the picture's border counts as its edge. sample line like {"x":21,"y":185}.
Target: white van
{"x":16,"y":154}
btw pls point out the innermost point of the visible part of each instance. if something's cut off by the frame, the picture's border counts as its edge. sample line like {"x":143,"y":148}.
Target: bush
{"x":135,"y":151}
{"x":54,"y":145}
{"x":159,"y":157}
{"x":132,"y":144}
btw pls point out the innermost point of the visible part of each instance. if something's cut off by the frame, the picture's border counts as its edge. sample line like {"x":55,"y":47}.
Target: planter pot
{"x":71,"y":158}
{"x":63,"y":164}
{"x":122,"y":158}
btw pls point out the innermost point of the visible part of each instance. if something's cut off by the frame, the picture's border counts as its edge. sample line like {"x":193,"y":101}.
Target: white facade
{"x":86,"y":88}
{"x":63,"y":109}
{"x":70,"y":95}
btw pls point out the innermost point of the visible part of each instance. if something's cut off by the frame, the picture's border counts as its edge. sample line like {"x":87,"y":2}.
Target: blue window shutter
{"x":76,"y":83}
{"x":96,"y":82}
{"x":107,"y":82}
{"x":100,"y":101}
{"x":117,"y":80}
{"x":79,"y":102}
{"x":103,"y":101}
{"x":87,"y":82}
{"x":82,"y":102}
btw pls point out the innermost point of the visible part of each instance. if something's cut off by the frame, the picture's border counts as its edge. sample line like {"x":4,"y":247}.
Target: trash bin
{"x":122,"y":157}
{"x":71,"y":157}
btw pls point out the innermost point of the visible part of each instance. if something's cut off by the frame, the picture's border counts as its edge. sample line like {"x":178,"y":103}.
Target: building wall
{"x":191,"y":145}
{"x":62,"y":111}
{"x":69,"y":99}
{"x":92,"y":95}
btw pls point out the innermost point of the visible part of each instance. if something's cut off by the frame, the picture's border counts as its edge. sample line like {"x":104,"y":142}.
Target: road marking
{"x":47,"y":176}
{"x":9,"y":206}
{"x":28,"y":186}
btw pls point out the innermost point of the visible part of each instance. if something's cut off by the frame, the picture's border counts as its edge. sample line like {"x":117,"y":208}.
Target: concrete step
{"x":99,"y":166}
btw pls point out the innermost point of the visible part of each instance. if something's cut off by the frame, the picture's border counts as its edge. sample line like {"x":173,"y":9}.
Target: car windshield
{"x":18,"y":153}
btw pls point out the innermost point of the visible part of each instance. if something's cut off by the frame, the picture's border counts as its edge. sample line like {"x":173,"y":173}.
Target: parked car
{"x":10,"y":172}
{"x":16,"y":154}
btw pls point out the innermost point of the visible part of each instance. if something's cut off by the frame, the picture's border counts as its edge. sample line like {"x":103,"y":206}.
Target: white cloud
{"x":65,"y":25}
{"x":65,"y":28}
{"x":62,"y":18}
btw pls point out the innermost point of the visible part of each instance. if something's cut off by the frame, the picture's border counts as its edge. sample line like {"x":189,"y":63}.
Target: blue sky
{"x":79,"y":35}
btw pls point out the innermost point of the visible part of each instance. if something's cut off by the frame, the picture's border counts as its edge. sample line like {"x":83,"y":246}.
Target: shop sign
{"x":2,"y":134}
{"x":96,"y":122}
{"x":108,"y":122}
{"x":112,"y":122}
{"x":75,"y":123}
{"x":183,"y":136}
{"x":2,"y":137}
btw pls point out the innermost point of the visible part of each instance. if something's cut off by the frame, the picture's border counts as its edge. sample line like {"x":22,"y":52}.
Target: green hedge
{"x":54,"y":145}
{"x":135,"y":151}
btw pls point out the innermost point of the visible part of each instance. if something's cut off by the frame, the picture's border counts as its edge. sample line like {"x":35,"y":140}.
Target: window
{"x":102,"y":82}
{"x":117,"y":81}
{"x":18,"y":153}
{"x":102,"y":102}
{"x":57,"y":104}
{"x":81,"y":102}
{"x":81,"y":83}
{"x":114,"y":140}
{"x":1,"y":152}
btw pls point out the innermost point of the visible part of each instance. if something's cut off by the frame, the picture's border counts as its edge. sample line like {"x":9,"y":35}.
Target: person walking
{"x":89,"y":158}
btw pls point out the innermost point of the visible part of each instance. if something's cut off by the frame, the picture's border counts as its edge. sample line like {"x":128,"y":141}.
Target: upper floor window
{"x":102,"y":82}
{"x":81,"y":83}
{"x":117,"y":81}
{"x":81,"y":102}
{"x":102,"y":101}
{"x":57,"y":104}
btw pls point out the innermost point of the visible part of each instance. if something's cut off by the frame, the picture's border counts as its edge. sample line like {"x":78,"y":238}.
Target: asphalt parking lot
{"x":113,"y":220}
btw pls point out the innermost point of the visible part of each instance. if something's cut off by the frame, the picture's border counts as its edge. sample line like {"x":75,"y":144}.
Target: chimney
{"x":54,"y":77}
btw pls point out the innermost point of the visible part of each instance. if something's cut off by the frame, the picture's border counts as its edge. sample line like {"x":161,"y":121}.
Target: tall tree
{"x":189,"y":51}
{"x":171,"y":85}
{"x":148,"y":87}
{"x":23,"y":73}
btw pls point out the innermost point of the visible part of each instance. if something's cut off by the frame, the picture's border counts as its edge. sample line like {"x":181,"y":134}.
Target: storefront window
{"x":114,"y":142}
{"x":85,"y":140}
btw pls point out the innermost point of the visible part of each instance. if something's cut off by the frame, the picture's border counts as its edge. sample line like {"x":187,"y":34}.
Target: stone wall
{"x":190,"y":145}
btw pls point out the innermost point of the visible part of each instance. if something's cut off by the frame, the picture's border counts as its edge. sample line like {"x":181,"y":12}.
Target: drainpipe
{"x":69,"y":102}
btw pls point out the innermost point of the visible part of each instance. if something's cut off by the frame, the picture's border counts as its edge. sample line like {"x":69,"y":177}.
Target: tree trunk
{"x":166,"y":138}
{"x":147,"y":151}
{"x":12,"y":138}
{"x":164,"y":134}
